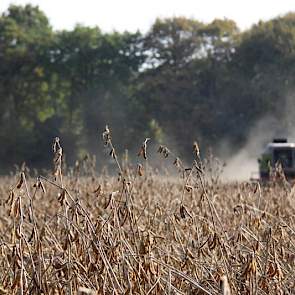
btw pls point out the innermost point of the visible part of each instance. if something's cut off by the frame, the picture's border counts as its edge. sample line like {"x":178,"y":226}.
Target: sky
{"x":131,"y":15}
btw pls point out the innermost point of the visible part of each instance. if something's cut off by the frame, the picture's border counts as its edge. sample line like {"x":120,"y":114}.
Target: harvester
{"x":279,"y":154}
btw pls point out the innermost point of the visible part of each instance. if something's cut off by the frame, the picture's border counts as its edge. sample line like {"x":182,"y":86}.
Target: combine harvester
{"x":278,"y":157}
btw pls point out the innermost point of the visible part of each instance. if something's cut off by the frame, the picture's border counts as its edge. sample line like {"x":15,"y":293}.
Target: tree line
{"x":182,"y":80}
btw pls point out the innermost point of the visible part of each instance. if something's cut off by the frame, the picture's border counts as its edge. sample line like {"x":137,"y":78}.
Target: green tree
{"x":98,"y":69}
{"x":24,"y":37}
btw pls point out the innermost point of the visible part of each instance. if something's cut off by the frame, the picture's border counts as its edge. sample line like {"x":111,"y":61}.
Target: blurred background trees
{"x":182,"y":80}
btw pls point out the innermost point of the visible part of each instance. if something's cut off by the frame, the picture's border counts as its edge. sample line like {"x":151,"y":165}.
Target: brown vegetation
{"x":142,"y":233}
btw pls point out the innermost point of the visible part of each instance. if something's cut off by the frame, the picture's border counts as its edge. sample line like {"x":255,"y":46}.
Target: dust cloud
{"x":243,"y":165}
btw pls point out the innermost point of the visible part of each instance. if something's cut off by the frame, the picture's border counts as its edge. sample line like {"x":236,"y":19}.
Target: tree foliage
{"x":182,"y":80}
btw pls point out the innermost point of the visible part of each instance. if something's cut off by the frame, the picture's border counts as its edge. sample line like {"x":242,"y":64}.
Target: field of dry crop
{"x":144,"y":233}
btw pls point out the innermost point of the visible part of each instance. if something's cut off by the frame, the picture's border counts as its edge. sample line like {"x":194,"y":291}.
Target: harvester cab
{"x":277,"y":153}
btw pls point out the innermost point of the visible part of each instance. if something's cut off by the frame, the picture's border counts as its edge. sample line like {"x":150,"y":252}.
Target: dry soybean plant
{"x":138,"y":233}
